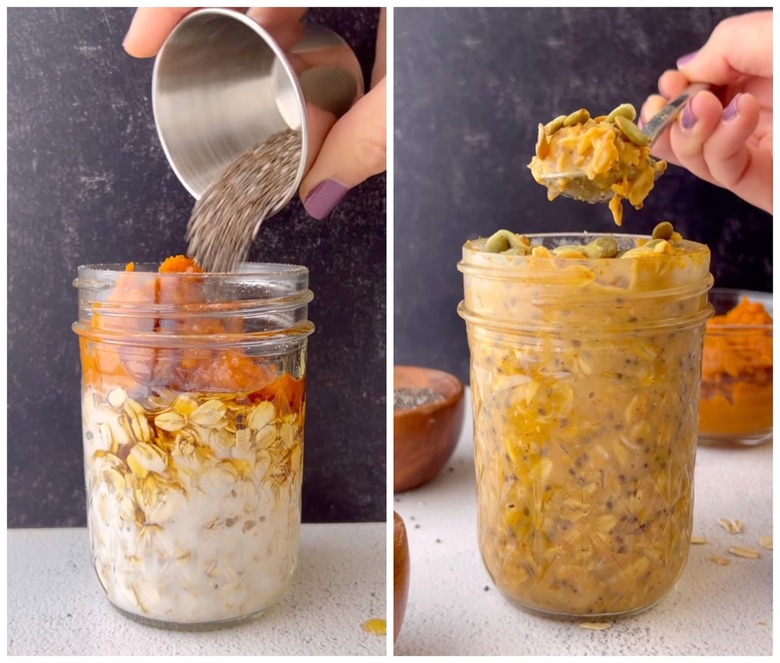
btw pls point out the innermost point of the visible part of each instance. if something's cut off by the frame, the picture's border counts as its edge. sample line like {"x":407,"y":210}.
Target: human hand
{"x":342,"y":153}
{"x":732,"y":146}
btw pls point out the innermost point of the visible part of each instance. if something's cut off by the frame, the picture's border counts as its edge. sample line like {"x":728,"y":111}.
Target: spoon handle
{"x":668,"y":113}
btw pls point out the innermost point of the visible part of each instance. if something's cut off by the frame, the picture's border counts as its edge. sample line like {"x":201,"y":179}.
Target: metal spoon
{"x":579,"y":187}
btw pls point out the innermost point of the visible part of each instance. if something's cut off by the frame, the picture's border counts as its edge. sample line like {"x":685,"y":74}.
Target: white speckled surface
{"x":713,"y":610}
{"x":57,"y":607}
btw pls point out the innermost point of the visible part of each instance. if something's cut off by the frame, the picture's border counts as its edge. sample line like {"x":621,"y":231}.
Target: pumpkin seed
{"x":501,"y":240}
{"x":577,"y":117}
{"x":601,"y":247}
{"x":551,"y":127}
{"x":631,"y":131}
{"x":624,"y":110}
{"x":663,"y":230}
{"x":517,"y":251}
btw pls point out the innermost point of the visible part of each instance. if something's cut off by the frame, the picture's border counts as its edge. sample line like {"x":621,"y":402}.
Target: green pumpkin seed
{"x":631,"y":131}
{"x":601,"y":247}
{"x":553,"y":126}
{"x":624,"y":110}
{"x":577,"y":117}
{"x":517,"y":251}
{"x":501,"y":240}
{"x":663,"y":230}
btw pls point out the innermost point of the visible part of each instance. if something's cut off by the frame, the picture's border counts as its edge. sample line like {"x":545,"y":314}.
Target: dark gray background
{"x":88,"y":183}
{"x":471,"y":85}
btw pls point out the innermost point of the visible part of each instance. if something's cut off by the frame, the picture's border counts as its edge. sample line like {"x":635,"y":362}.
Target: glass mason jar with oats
{"x":585,"y":376}
{"x":193,"y":401}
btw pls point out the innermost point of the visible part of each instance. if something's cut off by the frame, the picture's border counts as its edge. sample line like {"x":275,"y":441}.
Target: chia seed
{"x":408,"y":397}
{"x":227,"y":218}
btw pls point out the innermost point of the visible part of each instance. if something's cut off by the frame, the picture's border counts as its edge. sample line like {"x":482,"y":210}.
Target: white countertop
{"x":57,"y":607}
{"x":454,"y":609}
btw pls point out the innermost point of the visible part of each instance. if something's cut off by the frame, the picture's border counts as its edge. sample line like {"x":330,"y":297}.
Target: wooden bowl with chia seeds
{"x":427,"y":421}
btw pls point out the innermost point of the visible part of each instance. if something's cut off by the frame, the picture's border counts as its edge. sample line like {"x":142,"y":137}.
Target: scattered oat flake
{"x":718,"y":559}
{"x":741,"y":551}
{"x":375,"y":626}
{"x":766,"y":542}
{"x":595,"y":626}
{"x":761,"y":622}
{"x":732,"y":526}
{"x":699,"y":540}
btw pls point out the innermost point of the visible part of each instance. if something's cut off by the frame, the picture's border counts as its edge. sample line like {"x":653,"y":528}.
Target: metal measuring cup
{"x":222,"y":84}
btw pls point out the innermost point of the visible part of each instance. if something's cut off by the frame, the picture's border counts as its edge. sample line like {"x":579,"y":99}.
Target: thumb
{"x":738,"y":46}
{"x":354,"y":150}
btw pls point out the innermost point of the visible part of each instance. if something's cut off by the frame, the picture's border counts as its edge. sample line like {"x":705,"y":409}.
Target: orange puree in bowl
{"x":736,"y":393}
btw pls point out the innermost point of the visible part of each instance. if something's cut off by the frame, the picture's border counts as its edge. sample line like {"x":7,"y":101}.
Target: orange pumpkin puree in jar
{"x":736,"y":391}
{"x":178,"y":369}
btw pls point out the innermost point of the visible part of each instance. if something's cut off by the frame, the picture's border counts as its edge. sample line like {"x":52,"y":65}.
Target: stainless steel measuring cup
{"x":222,"y":84}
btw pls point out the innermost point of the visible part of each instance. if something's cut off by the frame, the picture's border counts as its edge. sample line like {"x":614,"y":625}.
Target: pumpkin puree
{"x":736,"y":393}
{"x":202,"y":368}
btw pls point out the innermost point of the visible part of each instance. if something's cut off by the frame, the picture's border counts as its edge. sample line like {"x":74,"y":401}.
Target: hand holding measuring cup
{"x":342,"y":153}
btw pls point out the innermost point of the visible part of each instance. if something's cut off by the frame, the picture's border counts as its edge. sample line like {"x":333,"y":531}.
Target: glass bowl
{"x":736,"y":390}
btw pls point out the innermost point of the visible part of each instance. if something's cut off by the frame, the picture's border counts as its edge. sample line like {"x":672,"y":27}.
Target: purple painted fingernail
{"x":688,"y":119}
{"x":732,"y":110}
{"x":685,"y":59}
{"x":324,"y":197}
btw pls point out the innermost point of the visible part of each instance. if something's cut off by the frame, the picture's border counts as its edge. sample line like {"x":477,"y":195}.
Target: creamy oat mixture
{"x":192,"y":452}
{"x":585,"y":422}
{"x":194,"y":502}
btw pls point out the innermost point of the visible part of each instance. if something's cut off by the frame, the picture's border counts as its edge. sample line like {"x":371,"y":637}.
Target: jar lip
{"x":242,"y":270}
{"x":484,"y":260}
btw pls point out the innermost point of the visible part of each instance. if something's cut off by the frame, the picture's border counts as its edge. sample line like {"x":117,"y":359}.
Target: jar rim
{"x":242,"y":270}
{"x":476,"y":260}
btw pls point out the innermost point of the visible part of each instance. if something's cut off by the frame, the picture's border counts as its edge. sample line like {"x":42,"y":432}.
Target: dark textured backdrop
{"x":471,"y":86}
{"x":88,"y":182}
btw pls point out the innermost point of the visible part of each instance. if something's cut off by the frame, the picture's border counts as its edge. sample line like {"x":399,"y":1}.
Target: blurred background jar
{"x":585,"y":377}
{"x":736,"y":390}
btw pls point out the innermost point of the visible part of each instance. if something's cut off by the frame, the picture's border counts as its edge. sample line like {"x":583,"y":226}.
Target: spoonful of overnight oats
{"x":604,"y":158}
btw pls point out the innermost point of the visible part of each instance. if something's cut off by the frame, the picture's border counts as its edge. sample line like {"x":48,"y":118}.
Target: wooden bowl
{"x":401,"y":572}
{"x":424,"y":437}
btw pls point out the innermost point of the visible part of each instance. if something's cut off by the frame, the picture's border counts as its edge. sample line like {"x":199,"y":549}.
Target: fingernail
{"x":323,"y":198}
{"x":688,"y":119}
{"x":640,"y":122}
{"x":732,"y":110}
{"x":685,"y":59}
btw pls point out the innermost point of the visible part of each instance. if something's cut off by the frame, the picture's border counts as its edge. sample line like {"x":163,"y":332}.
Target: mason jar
{"x":193,"y":407}
{"x":585,"y":377}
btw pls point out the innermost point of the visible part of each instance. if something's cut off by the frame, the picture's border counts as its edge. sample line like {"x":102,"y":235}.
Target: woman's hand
{"x":344,"y":153}
{"x":724,"y":138}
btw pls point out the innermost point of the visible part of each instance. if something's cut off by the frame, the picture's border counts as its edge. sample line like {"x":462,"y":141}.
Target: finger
{"x":726,"y":151}
{"x":149,"y":28}
{"x":672,"y":83}
{"x":354,"y":150}
{"x":661,"y":148}
{"x":380,"y":58}
{"x":696,"y":123}
{"x":739,"y":45}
